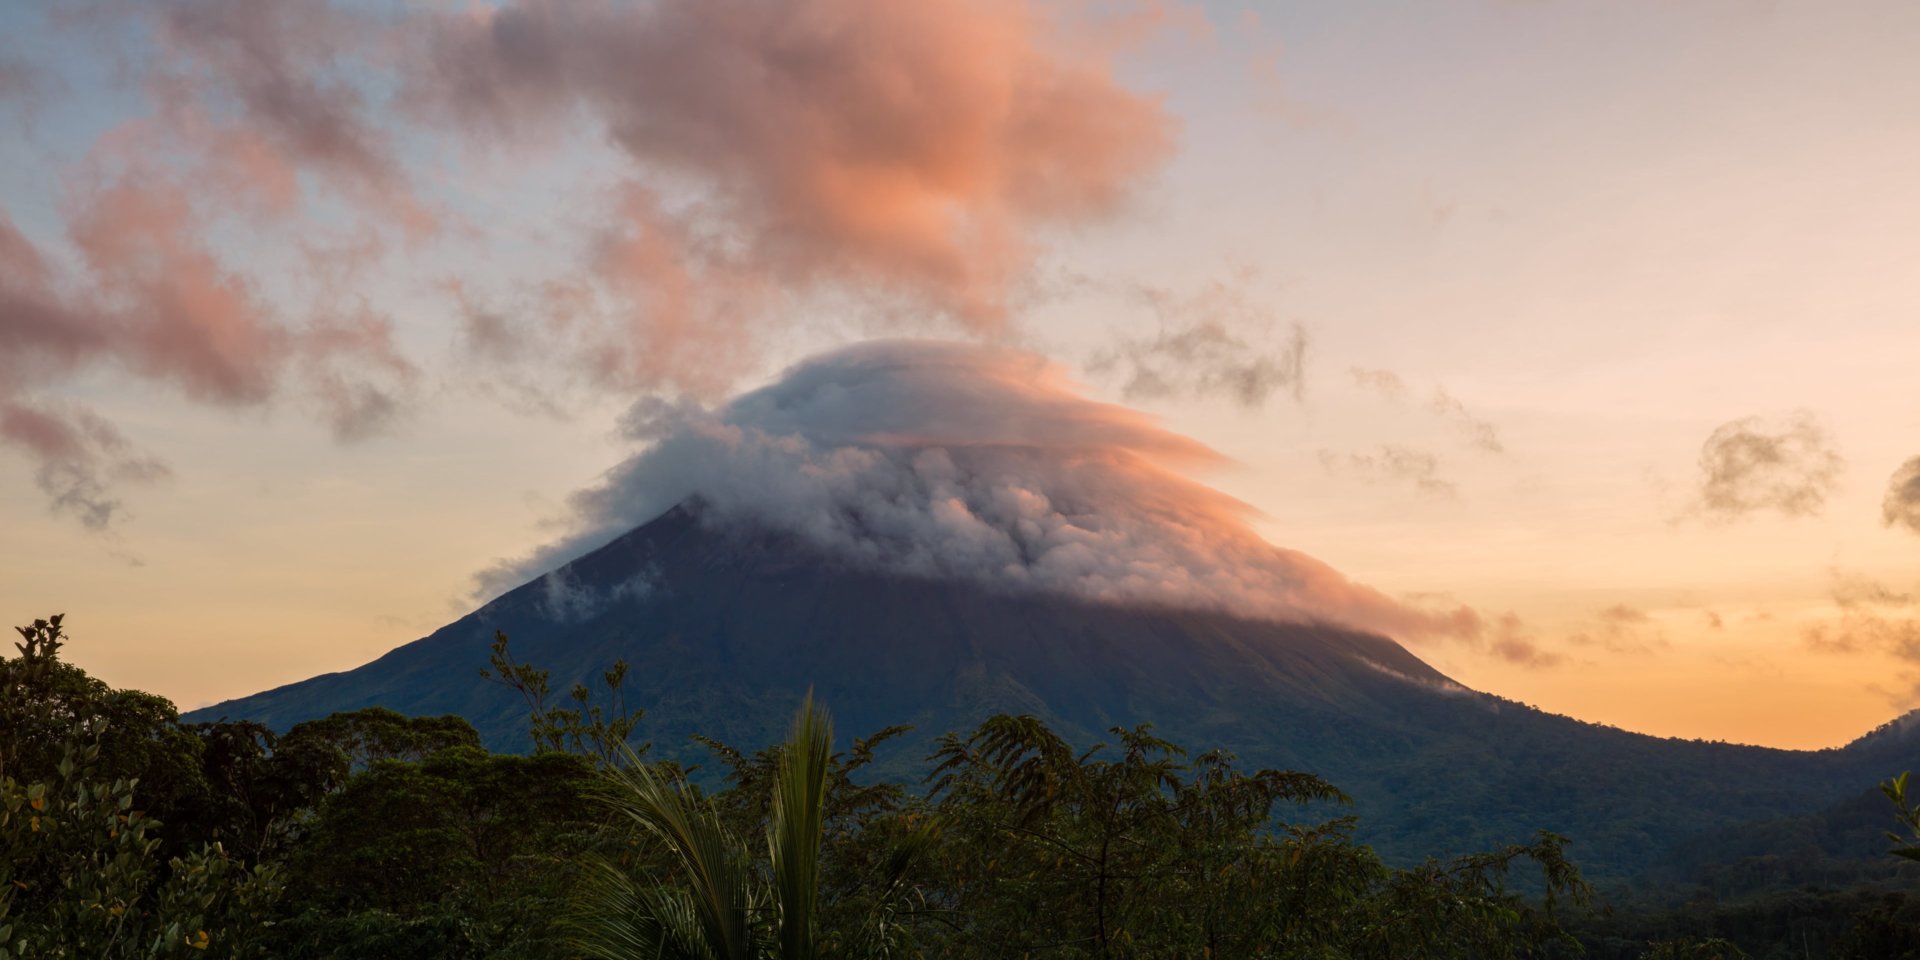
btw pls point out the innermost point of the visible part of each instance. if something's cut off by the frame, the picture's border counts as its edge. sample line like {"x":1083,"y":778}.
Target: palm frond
{"x":718,"y":895}
{"x":794,"y":830}
{"x":619,"y":916}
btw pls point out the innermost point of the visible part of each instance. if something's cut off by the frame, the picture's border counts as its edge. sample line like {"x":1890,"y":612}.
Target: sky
{"x":1572,"y":338}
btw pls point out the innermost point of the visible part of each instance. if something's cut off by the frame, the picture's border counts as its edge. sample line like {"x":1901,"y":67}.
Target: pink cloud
{"x":180,"y":315}
{"x":152,"y":300}
{"x":906,"y":149}
{"x":901,"y":153}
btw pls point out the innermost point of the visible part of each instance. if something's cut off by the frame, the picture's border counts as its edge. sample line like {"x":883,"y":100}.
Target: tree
{"x":1907,"y":843}
{"x":48,"y":705}
{"x":1136,"y":851}
{"x":85,"y":870}
{"x":461,"y":854}
{"x":1053,"y":848}
{"x":371,"y":734}
{"x":704,"y":893}
{"x":595,"y":725}
{"x":82,"y":878}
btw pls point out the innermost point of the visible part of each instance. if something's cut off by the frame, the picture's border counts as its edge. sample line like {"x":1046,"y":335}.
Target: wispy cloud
{"x":1876,"y":619}
{"x":1393,"y":464}
{"x":1510,"y":640}
{"x":1479,"y":433}
{"x":81,"y":458}
{"x":1622,"y":629}
{"x":1214,"y":343}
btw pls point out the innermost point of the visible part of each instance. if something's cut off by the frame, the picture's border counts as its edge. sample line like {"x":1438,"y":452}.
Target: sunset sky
{"x":1595,"y":319}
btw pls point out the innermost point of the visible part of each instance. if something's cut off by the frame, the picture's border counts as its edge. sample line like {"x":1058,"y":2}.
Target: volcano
{"x":725,"y":628}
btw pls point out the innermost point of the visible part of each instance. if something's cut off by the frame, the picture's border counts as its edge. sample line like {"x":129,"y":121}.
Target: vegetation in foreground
{"x":125,"y":833}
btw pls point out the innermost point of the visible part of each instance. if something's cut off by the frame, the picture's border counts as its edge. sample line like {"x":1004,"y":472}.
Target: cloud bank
{"x":982,"y":464}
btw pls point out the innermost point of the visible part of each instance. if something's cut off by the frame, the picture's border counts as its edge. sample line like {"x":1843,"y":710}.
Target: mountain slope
{"x":725,"y":631}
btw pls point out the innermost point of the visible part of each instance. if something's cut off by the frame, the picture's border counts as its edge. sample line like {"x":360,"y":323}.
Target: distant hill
{"x":1839,"y":845}
{"x":726,"y":630}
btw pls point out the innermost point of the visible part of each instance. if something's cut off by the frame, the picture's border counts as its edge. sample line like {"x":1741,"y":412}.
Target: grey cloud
{"x":567,"y":600}
{"x":1622,"y":629}
{"x":1510,"y":641}
{"x":1901,"y":508}
{"x":979,"y":464}
{"x":1854,"y":591}
{"x":1383,"y":382}
{"x":355,"y":371}
{"x":1874,"y":618}
{"x":1866,"y":633}
{"x":1204,"y":349}
{"x":492,"y":336}
{"x":509,"y":362}
{"x":81,"y":458}
{"x":655,"y":418}
{"x":1787,"y":466}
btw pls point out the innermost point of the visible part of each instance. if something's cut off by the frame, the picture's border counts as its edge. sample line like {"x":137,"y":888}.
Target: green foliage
{"x":1841,"y":845}
{"x":1144,"y":854}
{"x":795,"y":828}
{"x":89,"y":871}
{"x":698,"y":891}
{"x":460,"y":854}
{"x":714,"y":910}
{"x":1690,"y":949}
{"x":1887,"y":927}
{"x":83,"y":876}
{"x":872,"y":836}
{"x":46,"y":705}
{"x":371,"y":734}
{"x":598,"y":725}
{"x":1906,"y":843}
